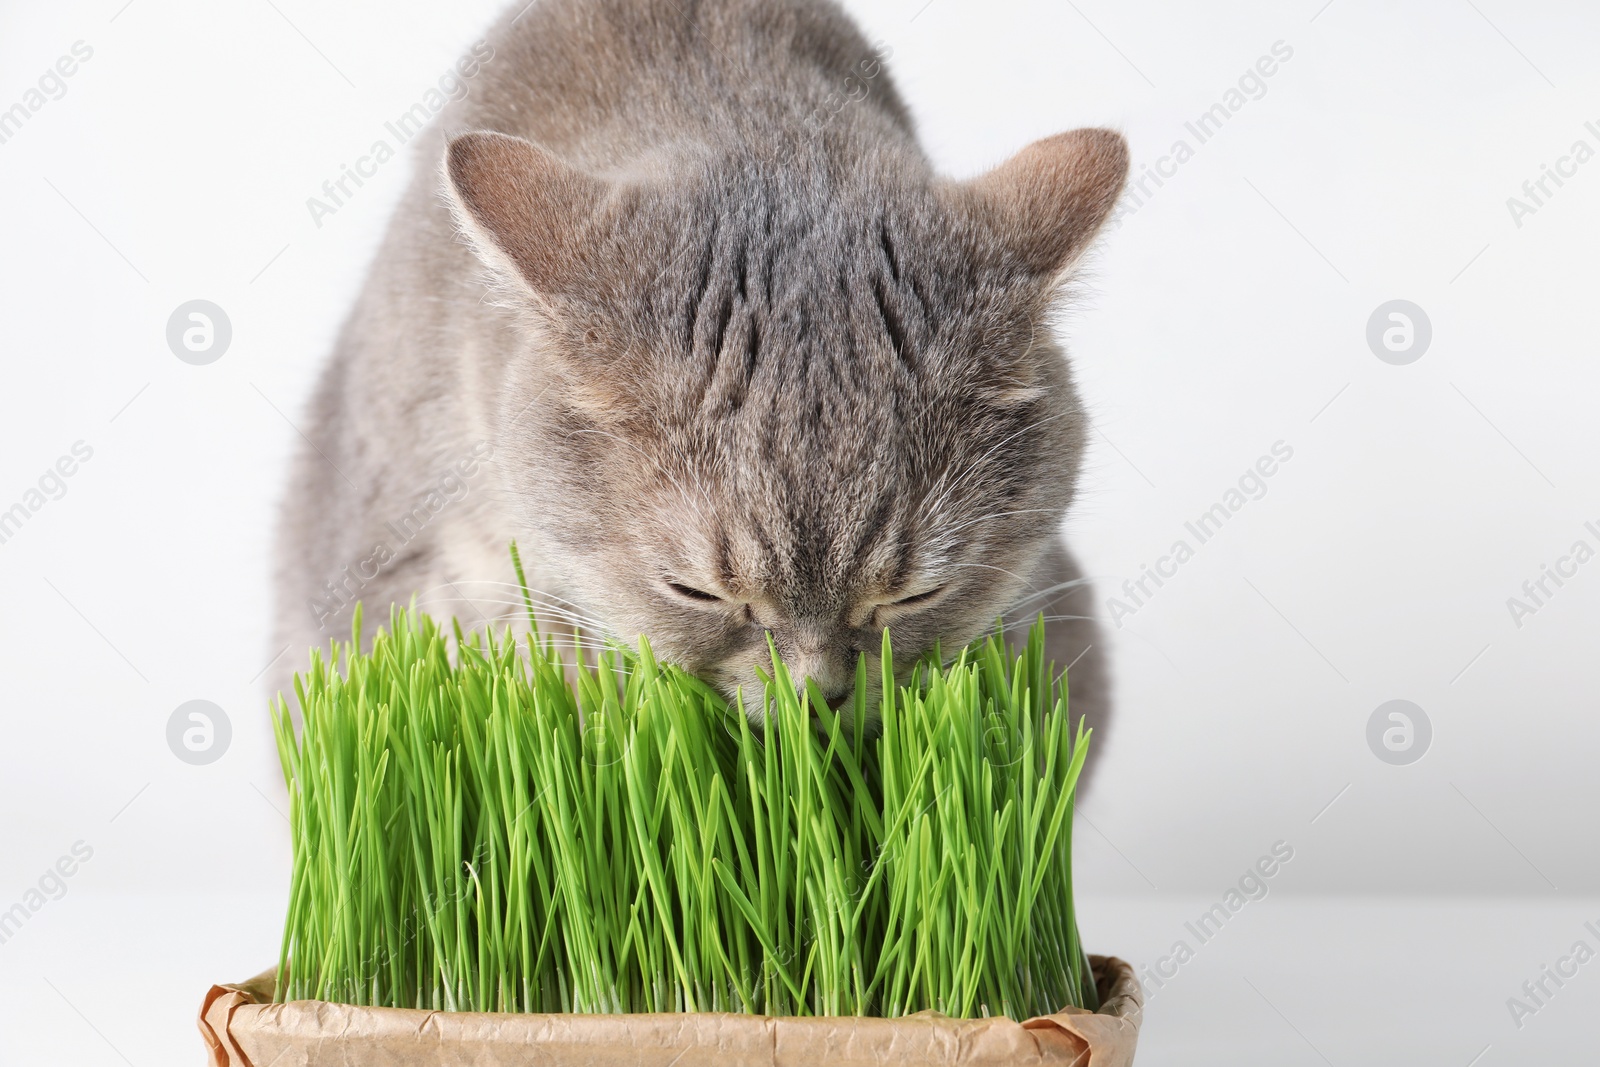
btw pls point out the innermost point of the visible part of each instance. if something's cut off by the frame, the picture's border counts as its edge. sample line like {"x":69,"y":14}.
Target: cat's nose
{"x":825,"y":671}
{"x":835,"y":695}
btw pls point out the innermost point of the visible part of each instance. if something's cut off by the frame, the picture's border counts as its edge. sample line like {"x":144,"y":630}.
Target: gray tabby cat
{"x":677,"y":302}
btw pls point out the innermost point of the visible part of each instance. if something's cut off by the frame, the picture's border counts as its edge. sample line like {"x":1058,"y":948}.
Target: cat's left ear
{"x":1048,"y":201}
{"x":526,"y":212}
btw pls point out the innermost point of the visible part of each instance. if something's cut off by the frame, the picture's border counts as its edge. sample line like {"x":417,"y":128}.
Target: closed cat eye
{"x":691,"y":593}
{"x":917,"y":598}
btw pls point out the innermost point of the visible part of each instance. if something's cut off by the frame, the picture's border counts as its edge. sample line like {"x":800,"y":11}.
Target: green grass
{"x":473,"y":832}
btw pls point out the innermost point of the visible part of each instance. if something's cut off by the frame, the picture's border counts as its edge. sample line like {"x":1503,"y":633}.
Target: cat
{"x":676,"y":301}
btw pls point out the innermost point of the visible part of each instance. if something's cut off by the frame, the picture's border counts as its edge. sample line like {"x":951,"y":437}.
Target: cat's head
{"x":802,"y":401}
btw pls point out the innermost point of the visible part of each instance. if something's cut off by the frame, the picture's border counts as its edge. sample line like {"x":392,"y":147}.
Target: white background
{"x":1227,"y":313}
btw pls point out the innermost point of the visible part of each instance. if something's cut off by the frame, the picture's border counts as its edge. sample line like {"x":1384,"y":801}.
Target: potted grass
{"x":496,"y":864}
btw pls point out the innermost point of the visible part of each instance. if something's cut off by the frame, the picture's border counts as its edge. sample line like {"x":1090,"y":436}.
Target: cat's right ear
{"x":526,"y":212}
{"x":1049,"y":200}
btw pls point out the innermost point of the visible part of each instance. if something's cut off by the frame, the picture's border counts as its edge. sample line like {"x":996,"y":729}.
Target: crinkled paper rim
{"x":243,"y":1028}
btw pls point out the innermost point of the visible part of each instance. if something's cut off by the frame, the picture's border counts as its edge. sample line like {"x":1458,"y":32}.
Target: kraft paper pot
{"x":243,"y":1028}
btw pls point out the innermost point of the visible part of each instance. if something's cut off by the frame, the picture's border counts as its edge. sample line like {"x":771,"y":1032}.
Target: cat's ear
{"x":1048,"y":201}
{"x":526,"y":212}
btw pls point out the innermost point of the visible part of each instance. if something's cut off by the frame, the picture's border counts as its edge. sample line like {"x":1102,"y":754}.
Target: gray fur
{"x":704,"y":332}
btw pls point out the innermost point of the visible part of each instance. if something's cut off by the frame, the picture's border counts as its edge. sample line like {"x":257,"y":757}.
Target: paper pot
{"x":243,"y":1028}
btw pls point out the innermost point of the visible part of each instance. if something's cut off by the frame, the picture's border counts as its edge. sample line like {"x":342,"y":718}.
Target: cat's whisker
{"x":992,"y":567}
{"x":545,"y":603}
{"x":666,"y":472}
{"x":516,"y":609}
{"x":561,"y":637}
{"x":515,"y":616}
{"x":516,"y":613}
{"x":544,"y":610}
{"x":430,"y":594}
{"x":1049,"y":591}
{"x":975,"y":466}
{"x":996,"y":515}
{"x":1024,"y":623}
{"x":538,"y":606}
